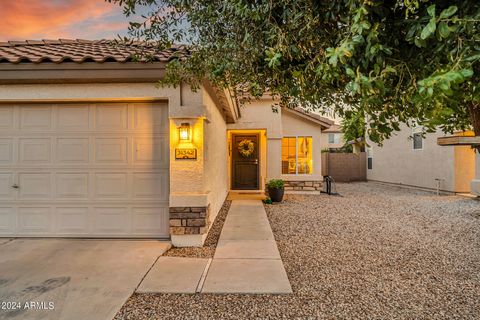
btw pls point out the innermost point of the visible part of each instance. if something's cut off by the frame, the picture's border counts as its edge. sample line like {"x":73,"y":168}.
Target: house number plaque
{"x":185,"y":153}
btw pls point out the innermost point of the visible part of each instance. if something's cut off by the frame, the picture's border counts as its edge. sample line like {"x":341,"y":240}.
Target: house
{"x":410,"y":159}
{"x":91,"y":147}
{"x":333,"y":137}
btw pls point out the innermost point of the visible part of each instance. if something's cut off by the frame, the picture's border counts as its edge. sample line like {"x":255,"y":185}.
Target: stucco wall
{"x":216,"y":156}
{"x":475,"y":184}
{"x":182,"y":103}
{"x":324,"y":144}
{"x":187,"y":175}
{"x":464,"y":168}
{"x":258,"y":114}
{"x":397,"y":162}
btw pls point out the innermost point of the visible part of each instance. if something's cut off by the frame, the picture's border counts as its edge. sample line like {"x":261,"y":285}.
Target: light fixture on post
{"x":184,"y":132}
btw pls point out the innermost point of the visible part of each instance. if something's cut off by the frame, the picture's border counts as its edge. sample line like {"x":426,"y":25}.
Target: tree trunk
{"x":474,"y":111}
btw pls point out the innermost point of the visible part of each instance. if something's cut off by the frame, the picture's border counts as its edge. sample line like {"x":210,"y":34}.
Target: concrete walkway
{"x":246,"y":259}
{"x":72,"y":278}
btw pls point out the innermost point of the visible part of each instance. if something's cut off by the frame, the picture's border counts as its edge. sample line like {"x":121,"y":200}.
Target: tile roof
{"x":79,"y":51}
{"x":334,"y":128}
{"x":314,"y":116}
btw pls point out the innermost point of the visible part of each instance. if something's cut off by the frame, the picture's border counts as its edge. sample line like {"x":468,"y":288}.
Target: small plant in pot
{"x":276,"y":189}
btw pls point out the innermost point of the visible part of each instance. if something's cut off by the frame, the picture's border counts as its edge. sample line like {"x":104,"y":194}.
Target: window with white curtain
{"x":297,"y":155}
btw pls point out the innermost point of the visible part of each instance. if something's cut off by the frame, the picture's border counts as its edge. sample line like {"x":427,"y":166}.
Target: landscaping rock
{"x":377,"y":252}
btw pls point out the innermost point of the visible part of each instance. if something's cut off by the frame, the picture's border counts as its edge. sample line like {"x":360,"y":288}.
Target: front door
{"x":245,"y":162}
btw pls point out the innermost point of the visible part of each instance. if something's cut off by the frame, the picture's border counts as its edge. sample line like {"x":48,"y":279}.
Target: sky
{"x":55,"y":19}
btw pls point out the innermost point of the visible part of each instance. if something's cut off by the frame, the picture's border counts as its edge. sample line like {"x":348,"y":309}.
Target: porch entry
{"x":245,"y":161}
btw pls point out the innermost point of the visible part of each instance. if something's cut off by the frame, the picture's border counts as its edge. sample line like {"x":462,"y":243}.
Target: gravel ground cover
{"x":208,"y":249}
{"x":377,"y":252}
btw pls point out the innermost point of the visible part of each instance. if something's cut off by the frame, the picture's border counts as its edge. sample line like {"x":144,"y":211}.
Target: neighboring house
{"x":91,"y":147}
{"x":332,"y":137}
{"x":410,"y":159}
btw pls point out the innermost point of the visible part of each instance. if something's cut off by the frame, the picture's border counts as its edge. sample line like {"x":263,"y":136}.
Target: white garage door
{"x":84,"y":170}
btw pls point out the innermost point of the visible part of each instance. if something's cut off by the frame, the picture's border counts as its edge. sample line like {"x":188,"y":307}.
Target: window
{"x":417,"y":141}
{"x":417,"y":138}
{"x":297,"y":155}
{"x":369,"y":158}
{"x":334,"y":138}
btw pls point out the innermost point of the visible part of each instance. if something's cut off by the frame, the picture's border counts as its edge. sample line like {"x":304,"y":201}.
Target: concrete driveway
{"x":70,"y":278}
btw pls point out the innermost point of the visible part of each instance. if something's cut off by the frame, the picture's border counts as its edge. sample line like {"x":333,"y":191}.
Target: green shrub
{"x":268,"y":201}
{"x":276,"y":184}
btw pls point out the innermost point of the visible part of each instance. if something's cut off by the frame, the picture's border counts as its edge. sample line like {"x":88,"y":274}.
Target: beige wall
{"x":259,"y":115}
{"x":187,"y":176}
{"x":324,"y":144}
{"x":397,"y":162}
{"x":464,"y":168}
{"x":475,"y":184}
{"x":216,"y":156}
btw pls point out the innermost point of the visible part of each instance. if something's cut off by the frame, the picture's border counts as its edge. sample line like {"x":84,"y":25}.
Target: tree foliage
{"x":392,"y":60}
{"x":353,"y":126}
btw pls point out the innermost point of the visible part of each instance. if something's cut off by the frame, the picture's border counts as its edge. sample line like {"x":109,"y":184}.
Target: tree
{"x":392,"y":60}
{"x":353,"y":127}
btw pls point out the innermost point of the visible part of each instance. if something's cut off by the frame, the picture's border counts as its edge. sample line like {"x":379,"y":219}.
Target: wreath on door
{"x":246,"y":148}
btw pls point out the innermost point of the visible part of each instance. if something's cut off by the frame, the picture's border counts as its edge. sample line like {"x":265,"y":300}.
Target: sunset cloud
{"x":53,"y":19}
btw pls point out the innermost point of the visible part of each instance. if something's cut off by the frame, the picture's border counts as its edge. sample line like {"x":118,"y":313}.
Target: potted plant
{"x":276,"y":189}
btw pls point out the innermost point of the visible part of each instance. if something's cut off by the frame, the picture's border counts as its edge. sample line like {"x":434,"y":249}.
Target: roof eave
{"x":323,"y":122}
{"x":224,"y":100}
{"x":87,"y":72}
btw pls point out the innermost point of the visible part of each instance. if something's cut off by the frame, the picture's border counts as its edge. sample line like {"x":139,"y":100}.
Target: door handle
{"x":256,"y":161}
{"x":15,"y":186}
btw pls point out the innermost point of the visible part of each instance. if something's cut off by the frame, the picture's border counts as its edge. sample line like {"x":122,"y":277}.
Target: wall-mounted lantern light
{"x":184,"y":132}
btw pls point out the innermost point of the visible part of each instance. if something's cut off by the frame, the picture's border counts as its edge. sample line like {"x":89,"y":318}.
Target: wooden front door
{"x":245,"y":162}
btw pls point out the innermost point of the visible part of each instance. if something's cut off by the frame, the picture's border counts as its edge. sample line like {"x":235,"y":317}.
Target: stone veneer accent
{"x":303,"y":185}
{"x":189,"y":220}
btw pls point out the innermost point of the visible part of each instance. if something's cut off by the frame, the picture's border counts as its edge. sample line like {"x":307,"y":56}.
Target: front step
{"x":241,"y":195}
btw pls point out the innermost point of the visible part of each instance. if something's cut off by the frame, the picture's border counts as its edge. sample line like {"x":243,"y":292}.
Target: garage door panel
{"x":95,"y":170}
{"x":6,"y":151}
{"x":111,"y":220}
{"x":6,"y":182}
{"x":111,"y":151}
{"x":35,"y":220}
{"x":152,"y":119}
{"x":151,"y":185}
{"x":111,"y":117}
{"x":150,"y":220}
{"x":34,"y":185}
{"x":6,"y":117}
{"x":149,"y":150}
{"x":7,"y":221}
{"x":72,"y":118}
{"x":72,"y":151}
{"x":72,"y":185}
{"x":72,"y":220}
{"x":34,"y":150}
{"x":36,"y":117}
{"x":111,"y":185}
